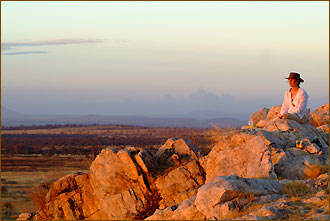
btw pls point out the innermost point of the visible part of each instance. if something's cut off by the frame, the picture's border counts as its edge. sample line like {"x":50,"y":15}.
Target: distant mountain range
{"x":13,"y":118}
{"x":5,"y":112}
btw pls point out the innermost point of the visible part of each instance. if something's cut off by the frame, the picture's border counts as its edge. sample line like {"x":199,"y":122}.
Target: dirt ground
{"x":21,"y":174}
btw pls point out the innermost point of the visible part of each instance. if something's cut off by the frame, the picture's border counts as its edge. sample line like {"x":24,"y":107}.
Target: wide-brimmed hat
{"x":295,"y":75}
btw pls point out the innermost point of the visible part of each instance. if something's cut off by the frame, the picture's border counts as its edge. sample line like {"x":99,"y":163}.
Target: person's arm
{"x":284,"y":108}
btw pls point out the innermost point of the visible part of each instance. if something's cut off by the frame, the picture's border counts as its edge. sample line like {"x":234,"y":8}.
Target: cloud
{"x":11,"y":45}
{"x":5,"y":47}
{"x":25,"y":52}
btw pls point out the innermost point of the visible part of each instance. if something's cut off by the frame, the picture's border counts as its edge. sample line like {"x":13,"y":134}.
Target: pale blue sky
{"x":83,"y":54}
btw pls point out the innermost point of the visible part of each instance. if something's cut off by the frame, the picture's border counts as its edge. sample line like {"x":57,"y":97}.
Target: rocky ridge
{"x":251,"y":174}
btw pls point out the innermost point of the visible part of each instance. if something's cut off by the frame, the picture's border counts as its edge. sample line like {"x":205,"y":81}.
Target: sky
{"x":158,"y":58}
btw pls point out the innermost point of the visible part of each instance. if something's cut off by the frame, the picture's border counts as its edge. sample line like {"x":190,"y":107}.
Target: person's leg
{"x":296,"y":118}
{"x":305,"y":119}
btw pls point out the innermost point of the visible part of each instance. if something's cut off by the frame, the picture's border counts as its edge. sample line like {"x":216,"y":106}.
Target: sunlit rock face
{"x":249,"y":158}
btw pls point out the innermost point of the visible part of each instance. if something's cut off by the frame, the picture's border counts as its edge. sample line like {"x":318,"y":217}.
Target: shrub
{"x":315,"y":170}
{"x":8,"y":208}
{"x":296,"y":189}
{"x":38,"y":195}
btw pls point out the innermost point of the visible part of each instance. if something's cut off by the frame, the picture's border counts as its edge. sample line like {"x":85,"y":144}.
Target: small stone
{"x":24,"y":216}
{"x":313,"y":148}
{"x":323,"y":176}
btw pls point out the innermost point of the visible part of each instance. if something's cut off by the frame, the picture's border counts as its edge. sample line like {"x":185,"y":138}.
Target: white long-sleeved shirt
{"x":298,"y":105}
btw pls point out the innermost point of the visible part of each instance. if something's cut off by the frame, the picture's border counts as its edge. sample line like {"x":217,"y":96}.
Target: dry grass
{"x":305,"y":211}
{"x":296,"y":189}
{"x":314,"y":170}
{"x":202,"y":139}
{"x":225,"y":137}
{"x":38,"y":195}
{"x":252,"y":207}
{"x":298,"y":211}
{"x":7,"y":208}
{"x":245,"y":204}
{"x":218,"y":134}
{"x":88,"y":162}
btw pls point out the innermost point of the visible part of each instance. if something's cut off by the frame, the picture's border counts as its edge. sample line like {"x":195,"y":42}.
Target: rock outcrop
{"x":71,"y":198}
{"x":259,"y":115}
{"x":232,"y":197}
{"x":288,"y":132}
{"x":117,"y":187}
{"x":320,"y":116}
{"x":295,"y":168}
{"x":273,"y":112}
{"x":120,"y":184}
{"x":180,"y":184}
{"x":223,"y":194}
{"x":222,"y":198}
{"x":288,"y":160}
{"x":236,"y":180}
{"x":179,"y":147}
{"x":250,"y":159}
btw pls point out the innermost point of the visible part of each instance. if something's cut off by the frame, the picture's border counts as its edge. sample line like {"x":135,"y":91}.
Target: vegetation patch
{"x":296,"y":189}
{"x":38,"y":194}
{"x":315,"y":170}
{"x":225,"y":137}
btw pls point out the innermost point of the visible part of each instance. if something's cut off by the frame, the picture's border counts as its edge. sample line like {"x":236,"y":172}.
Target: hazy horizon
{"x":160,"y":58}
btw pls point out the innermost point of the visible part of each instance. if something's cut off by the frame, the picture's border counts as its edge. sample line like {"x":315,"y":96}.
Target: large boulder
{"x":120,"y":184}
{"x":221,"y":197}
{"x":183,"y":148}
{"x":301,"y":167}
{"x":244,"y":155}
{"x":274,"y":112}
{"x":265,"y":116}
{"x":71,"y":198}
{"x":271,"y":117}
{"x":64,"y":184}
{"x":259,"y":115}
{"x":320,"y":116}
{"x":180,"y":184}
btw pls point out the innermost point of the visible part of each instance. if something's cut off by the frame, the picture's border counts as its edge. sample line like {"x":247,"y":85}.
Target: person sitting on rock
{"x":294,"y":106}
